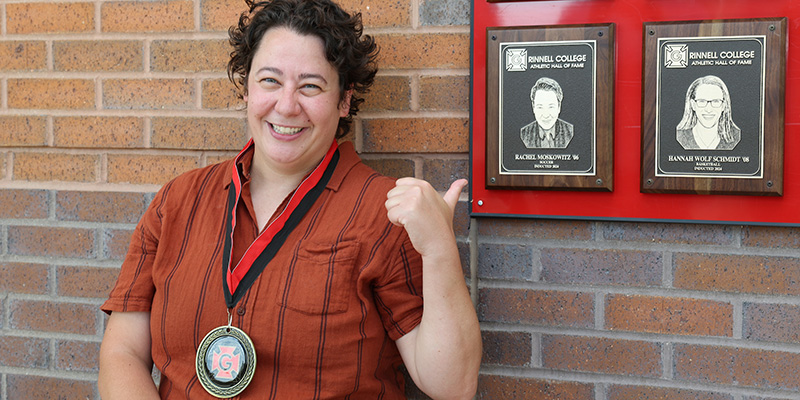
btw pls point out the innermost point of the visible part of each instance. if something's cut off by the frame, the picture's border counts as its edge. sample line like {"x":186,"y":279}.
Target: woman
{"x":293,"y":270}
{"x":707,"y":122}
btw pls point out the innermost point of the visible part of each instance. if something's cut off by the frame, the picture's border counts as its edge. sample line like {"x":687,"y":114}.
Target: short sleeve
{"x":399,"y":295}
{"x":134,"y":288}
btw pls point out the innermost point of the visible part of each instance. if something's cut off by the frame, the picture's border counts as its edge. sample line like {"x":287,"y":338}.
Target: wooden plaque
{"x":713,"y":107}
{"x":549,"y":107}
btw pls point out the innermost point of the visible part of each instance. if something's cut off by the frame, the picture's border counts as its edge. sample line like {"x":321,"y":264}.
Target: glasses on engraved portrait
{"x":716,"y":103}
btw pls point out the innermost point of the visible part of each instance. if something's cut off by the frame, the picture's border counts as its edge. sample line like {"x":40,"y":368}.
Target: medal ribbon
{"x":236,"y":281}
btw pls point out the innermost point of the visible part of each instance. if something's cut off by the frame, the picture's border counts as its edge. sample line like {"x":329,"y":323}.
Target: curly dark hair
{"x":352,"y":55}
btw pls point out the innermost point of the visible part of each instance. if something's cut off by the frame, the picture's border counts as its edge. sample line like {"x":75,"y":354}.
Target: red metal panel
{"x":625,"y":201}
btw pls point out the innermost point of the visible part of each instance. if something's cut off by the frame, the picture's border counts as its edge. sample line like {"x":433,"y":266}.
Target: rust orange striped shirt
{"x":323,"y":315}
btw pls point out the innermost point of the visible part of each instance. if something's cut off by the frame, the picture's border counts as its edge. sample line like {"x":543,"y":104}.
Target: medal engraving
{"x":225,"y":362}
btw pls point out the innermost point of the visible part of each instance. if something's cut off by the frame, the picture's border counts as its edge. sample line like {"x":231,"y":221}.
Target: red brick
{"x":50,"y":316}
{"x":140,"y":94}
{"x":85,"y":281}
{"x":26,"y":352}
{"x":124,"y":207}
{"x":199,"y":133}
{"x":441,"y":173}
{"x":737,"y":366}
{"x":608,"y":356}
{"x":42,"y":93}
{"x":771,"y":322}
{"x":493,"y":387}
{"x":146,"y":16}
{"x":55,"y":167}
{"x":448,"y":93}
{"x":669,"y":315}
{"x":737,"y":273}
{"x":221,"y":94}
{"x":22,"y":203}
{"x":505,"y":261}
{"x":389,"y":93}
{"x":506,"y":348}
{"x":148,"y":169}
{"x":219,"y":15}
{"x":604,"y":267}
{"x":461,"y":220}
{"x":49,"y":17}
{"x":50,"y":241}
{"x":395,"y":13}
{"x":78,"y":356}
{"x":425,"y":135}
{"x":670,"y":233}
{"x":619,"y":392}
{"x":23,"y":130}
{"x":98,"y":55}
{"x":115,"y":243}
{"x":428,"y":50}
{"x":394,"y":167}
{"x":23,"y":278}
{"x":98,"y":132}
{"x":23,"y":56}
{"x":211,"y":160}
{"x":535,"y":229}
{"x":540,"y":307}
{"x":26,"y":387}
{"x":771,"y":237}
{"x":189,"y":55}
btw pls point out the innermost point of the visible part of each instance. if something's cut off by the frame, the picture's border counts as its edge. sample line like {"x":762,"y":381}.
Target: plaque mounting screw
{"x":493,"y":180}
{"x":494,"y":37}
{"x":772,"y":27}
{"x":649,"y":182}
{"x":598,"y":182}
{"x":652,"y":32}
{"x":769,"y":183}
{"x":600,"y":33}
{"x":480,"y":202}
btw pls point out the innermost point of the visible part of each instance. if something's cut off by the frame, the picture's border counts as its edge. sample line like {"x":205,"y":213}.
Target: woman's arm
{"x":125,"y":362}
{"x":442,"y":354}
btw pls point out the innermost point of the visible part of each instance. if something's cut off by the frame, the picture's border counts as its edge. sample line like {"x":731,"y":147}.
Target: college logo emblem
{"x":676,"y":55}
{"x":224,"y":364}
{"x":516,"y":59}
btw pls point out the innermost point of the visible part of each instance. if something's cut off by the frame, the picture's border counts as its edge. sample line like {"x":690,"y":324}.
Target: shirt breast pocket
{"x":319,"y":278}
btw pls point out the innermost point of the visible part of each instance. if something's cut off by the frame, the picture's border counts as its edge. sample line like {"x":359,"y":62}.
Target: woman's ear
{"x":344,"y":105}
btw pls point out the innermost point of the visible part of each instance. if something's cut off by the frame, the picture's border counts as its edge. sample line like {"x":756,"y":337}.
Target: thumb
{"x":451,"y":197}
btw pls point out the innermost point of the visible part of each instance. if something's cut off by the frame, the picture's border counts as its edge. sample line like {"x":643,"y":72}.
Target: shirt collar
{"x":347,"y":160}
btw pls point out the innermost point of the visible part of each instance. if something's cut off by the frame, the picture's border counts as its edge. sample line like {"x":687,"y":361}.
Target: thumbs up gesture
{"x":426,"y":216}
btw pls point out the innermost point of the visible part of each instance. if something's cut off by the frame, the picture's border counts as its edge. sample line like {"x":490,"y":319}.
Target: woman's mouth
{"x":285,"y":130}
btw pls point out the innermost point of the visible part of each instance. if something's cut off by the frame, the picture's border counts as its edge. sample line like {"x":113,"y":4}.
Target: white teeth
{"x":285,"y":130}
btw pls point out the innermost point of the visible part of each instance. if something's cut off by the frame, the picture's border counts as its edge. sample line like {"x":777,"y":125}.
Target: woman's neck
{"x":706,"y":138}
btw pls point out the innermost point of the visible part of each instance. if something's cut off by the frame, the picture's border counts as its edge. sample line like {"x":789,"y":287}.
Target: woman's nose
{"x":287,"y":103}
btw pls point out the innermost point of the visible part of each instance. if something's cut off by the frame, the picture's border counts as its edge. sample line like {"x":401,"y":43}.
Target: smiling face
{"x":546,"y":108}
{"x":293,"y":106}
{"x":708,"y":115}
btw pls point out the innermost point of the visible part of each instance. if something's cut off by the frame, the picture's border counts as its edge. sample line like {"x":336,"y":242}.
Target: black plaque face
{"x":710,"y":107}
{"x":713,"y":106}
{"x":547,"y":108}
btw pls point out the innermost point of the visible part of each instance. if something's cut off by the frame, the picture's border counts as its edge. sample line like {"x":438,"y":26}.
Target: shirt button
{"x":240,"y":310}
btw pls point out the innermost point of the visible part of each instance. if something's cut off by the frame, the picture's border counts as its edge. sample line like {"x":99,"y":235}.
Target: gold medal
{"x":225,"y":361}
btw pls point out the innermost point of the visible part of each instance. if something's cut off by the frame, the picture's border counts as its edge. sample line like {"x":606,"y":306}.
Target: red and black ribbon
{"x":236,"y":281}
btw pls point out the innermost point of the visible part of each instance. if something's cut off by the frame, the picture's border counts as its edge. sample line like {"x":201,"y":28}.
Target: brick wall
{"x":101,"y":102}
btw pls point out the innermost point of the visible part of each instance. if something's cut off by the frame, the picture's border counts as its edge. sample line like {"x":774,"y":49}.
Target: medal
{"x":226,"y":358}
{"x":225,"y":361}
